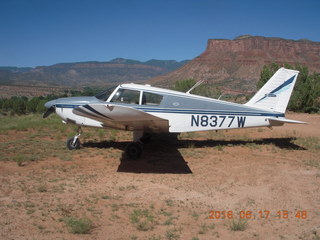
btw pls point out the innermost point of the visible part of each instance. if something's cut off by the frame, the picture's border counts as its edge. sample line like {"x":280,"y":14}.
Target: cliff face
{"x":236,"y":64}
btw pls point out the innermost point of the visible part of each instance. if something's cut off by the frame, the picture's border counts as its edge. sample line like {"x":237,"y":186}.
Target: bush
{"x":79,"y":225}
{"x":22,"y":105}
{"x":142,"y":219}
{"x":306,"y":94}
{"x":19,"y":159}
{"x":202,"y":90}
{"x":238,"y":225}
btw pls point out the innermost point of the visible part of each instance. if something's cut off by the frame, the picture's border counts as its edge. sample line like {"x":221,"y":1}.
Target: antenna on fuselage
{"x":194,"y":86}
{"x":220,"y":96}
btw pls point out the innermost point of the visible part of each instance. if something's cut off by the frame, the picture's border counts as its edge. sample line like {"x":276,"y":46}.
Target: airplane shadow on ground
{"x":161,"y":155}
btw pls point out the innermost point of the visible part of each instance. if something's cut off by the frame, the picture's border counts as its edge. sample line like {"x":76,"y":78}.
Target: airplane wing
{"x":122,"y":117}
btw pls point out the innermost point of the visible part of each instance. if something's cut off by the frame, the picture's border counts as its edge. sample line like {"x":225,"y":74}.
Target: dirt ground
{"x":240,"y":184}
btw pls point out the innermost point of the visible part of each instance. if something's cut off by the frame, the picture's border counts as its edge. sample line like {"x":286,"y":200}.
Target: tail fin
{"x":275,"y":94}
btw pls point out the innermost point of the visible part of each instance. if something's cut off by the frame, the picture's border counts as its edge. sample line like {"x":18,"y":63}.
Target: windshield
{"x":105,"y":94}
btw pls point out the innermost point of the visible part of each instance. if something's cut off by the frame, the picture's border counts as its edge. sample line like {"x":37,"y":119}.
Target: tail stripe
{"x":275,"y":94}
{"x":283,"y":87}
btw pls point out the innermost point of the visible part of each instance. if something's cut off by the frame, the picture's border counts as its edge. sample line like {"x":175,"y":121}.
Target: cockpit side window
{"x":151,"y":99}
{"x":126,"y":96}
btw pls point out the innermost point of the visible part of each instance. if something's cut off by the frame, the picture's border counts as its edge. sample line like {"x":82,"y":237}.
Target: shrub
{"x":239,"y":225}
{"x":142,"y":219}
{"x":78,"y":225}
{"x":305,"y":96}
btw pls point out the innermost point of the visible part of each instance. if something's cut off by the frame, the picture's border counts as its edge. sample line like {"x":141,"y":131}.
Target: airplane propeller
{"x":50,"y":110}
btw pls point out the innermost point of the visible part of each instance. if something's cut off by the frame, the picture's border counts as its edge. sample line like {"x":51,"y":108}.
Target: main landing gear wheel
{"x":134,"y":150}
{"x":73,"y":143}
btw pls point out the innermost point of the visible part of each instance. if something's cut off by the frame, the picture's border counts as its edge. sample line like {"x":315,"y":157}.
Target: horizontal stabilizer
{"x":281,"y":121}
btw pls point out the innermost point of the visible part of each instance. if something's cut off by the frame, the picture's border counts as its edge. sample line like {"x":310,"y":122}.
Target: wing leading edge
{"x":122,"y":117}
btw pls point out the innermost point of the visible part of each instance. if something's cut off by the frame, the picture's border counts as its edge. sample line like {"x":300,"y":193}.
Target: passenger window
{"x":126,"y":96}
{"x":151,"y":99}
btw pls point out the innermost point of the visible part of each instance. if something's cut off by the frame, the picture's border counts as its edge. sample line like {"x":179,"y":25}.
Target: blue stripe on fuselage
{"x":191,"y":111}
{"x":67,"y":105}
{"x":209,"y":112}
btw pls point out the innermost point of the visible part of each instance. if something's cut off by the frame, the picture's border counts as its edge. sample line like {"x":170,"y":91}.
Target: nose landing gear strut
{"x":74,"y":142}
{"x":133,"y":150}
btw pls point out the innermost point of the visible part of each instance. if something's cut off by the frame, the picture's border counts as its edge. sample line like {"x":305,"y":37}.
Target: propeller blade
{"x":50,"y":110}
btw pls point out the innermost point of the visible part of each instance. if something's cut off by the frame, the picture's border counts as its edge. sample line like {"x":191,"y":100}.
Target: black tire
{"x":71,"y":145}
{"x":134,"y":150}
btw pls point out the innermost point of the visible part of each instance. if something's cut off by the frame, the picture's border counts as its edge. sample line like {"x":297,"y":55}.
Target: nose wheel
{"x":74,"y":142}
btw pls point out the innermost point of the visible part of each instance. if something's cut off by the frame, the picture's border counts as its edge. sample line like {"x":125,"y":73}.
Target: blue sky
{"x":43,"y":32}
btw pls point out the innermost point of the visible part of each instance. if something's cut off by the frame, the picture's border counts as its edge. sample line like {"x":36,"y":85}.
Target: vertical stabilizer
{"x":276,"y":93}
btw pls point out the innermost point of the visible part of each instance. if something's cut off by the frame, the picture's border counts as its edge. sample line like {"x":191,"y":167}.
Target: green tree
{"x":202,"y":90}
{"x":40,"y":106}
{"x":266,"y":74}
{"x":184,"y":85}
{"x":32,"y":105}
{"x":305,"y":96}
{"x":6,"y":106}
{"x":1,"y":103}
{"x":18,"y":105}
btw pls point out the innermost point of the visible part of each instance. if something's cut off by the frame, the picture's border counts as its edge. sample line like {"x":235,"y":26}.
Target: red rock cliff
{"x":236,"y":64}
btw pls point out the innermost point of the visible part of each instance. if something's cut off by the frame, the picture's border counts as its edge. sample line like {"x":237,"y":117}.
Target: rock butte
{"x":236,"y":64}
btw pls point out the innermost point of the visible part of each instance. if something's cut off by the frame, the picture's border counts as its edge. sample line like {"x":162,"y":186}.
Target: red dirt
{"x":178,"y":183}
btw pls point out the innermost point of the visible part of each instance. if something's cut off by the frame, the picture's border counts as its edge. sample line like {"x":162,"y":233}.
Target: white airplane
{"x":144,"y":109}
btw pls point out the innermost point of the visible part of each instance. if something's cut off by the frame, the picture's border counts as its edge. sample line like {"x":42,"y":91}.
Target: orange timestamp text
{"x":262,"y":214}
